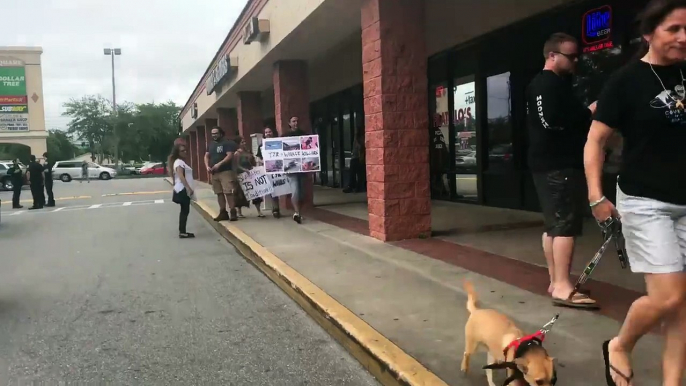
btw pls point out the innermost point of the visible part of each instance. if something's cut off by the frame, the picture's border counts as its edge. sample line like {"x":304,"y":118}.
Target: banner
{"x":281,"y":184}
{"x":255,"y":183}
{"x":291,"y":154}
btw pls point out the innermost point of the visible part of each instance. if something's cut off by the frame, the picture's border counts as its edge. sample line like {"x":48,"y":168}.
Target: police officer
{"x":47,"y":170}
{"x":36,"y":177}
{"x":17,"y":178}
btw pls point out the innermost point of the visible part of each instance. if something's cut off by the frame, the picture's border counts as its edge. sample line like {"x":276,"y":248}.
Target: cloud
{"x":166,"y":46}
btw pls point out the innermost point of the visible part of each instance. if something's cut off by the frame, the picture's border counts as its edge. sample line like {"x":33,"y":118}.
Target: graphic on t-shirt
{"x":668,"y":99}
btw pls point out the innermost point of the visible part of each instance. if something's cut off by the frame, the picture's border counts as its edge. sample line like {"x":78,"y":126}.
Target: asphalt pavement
{"x":100,"y":289}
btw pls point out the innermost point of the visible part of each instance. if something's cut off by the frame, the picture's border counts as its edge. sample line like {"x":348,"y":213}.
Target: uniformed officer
{"x":36,"y":181}
{"x":17,"y":178}
{"x":47,"y":170}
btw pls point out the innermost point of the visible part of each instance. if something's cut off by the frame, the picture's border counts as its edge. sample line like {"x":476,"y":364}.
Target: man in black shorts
{"x":558,"y":128}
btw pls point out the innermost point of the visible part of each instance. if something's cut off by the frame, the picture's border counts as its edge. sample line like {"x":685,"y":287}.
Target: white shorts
{"x":655,"y":234}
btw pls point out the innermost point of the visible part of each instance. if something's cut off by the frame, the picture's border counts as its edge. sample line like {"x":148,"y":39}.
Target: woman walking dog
{"x":645,"y":102}
{"x":183,"y":185}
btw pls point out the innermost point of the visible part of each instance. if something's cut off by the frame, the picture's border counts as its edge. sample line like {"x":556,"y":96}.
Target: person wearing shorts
{"x":558,"y":125}
{"x":644,"y":102}
{"x":269,"y":133}
{"x":219,"y":164}
{"x":297,"y":180}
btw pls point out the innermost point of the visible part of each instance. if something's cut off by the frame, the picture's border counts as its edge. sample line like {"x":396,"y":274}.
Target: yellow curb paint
{"x":407,"y":369}
{"x":63,"y":198}
{"x":135,"y":193}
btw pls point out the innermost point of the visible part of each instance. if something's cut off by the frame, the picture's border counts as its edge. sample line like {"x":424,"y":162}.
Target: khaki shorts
{"x":224,"y":182}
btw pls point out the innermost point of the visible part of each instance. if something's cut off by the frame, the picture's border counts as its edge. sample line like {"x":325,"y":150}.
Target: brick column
{"x":292,"y":99}
{"x":396,"y":119}
{"x":193,"y":150}
{"x":249,"y":113}
{"x":228,"y":121}
{"x":203,"y":134}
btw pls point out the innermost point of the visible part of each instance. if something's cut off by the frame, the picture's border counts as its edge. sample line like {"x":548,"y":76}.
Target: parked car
{"x":66,"y":171}
{"x":5,"y":180}
{"x":156,"y":169}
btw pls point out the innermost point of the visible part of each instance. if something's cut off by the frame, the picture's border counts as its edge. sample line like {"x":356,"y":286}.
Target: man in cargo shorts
{"x":219,"y":163}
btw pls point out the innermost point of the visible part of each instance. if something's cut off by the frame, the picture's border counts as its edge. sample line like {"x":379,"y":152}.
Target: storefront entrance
{"x":479,"y":134}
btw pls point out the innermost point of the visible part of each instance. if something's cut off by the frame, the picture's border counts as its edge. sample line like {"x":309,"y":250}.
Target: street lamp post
{"x":114,"y":52}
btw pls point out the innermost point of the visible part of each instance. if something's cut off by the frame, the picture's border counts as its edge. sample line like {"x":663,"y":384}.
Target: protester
{"x":245,"y":161}
{"x":644,"y":102}
{"x":47,"y":169}
{"x":269,"y":133}
{"x":558,"y":127}
{"x":219,"y":164}
{"x":36,"y":181}
{"x":356,"y":180}
{"x":297,"y":180}
{"x":17,"y":178}
{"x":84,"y":172}
{"x":183,"y":185}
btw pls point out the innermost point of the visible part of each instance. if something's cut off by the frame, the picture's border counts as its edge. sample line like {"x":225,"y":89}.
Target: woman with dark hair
{"x":644,"y":102}
{"x":243,"y":162}
{"x":182,"y":174}
{"x":269,"y":133}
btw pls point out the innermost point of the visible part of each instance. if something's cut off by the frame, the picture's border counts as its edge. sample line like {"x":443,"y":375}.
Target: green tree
{"x":60,"y":146}
{"x":91,"y":122}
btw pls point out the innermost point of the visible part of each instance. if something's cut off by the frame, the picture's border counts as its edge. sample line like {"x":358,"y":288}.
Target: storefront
{"x":476,"y":98}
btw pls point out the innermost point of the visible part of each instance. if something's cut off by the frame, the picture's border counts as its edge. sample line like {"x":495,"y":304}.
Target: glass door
{"x":464,"y":139}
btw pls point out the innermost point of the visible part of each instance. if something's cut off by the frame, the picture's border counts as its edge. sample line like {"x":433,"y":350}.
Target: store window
{"x":499,"y":123}
{"x":440,"y":154}
{"x":466,"y":152}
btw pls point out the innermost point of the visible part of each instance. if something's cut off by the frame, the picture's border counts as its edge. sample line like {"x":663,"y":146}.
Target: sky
{"x":166,"y":46}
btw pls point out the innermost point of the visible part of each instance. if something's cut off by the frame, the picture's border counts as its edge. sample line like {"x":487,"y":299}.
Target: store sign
{"x":13,"y":100}
{"x":12,"y":81}
{"x":596,"y":29}
{"x":255,"y":30}
{"x":12,"y":123}
{"x":219,"y":74}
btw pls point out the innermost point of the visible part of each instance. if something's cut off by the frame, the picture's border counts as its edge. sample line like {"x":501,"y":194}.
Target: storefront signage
{"x":596,"y":29}
{"x":194,"y":111}
{"x":255,"y":30}
{"x":13,"y":123}
{"x":220,"y":72}
{"x":6,"y":61}
{"x":13,"y":100}
{"x":12,"y":81}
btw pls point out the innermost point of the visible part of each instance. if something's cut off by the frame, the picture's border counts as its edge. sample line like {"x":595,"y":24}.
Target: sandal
{"x":609,"y":367}
{"x":578,"y":300}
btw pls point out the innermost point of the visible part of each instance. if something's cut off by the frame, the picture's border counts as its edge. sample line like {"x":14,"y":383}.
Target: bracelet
{"x":596,"y":203}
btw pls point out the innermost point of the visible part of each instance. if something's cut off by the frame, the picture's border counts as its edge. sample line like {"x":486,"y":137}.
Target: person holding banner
{"x":297,"y":180}
{"x":245,"y":161}
{"x":269,"y":133}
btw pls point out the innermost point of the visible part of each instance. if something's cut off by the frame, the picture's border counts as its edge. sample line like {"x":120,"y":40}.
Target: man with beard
{"x":558,"y":128}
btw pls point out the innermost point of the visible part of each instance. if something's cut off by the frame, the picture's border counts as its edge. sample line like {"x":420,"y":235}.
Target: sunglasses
{"x":571,"y":57}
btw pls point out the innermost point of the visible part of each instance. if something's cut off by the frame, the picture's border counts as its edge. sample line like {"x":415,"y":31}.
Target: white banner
{"x":281,"y":184}
{"x":255,"y":183}
{"x":14,"y":122}
{"x":291,"y":154}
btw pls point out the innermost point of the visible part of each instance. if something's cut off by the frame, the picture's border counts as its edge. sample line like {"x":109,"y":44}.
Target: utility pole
{"x":114,"y":52}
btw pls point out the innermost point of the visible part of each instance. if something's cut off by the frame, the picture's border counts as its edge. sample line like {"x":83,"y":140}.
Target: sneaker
{"x":233,"y":216}
{"x":276,"y":214}
{"x":223,"y":216}
{"x":297,"y":218}
{"x":186,"y":235}
{"x":17,"y":207}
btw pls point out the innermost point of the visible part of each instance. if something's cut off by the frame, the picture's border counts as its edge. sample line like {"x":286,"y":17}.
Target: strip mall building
{"x":437,"y":86}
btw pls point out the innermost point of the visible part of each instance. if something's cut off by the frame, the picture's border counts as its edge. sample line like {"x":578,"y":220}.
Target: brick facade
{"x":193,"y":149}
{"x":228,"y":121}
{"x":292,"y":99}
{"x":396,"y":119}
{"x":249,"y":113}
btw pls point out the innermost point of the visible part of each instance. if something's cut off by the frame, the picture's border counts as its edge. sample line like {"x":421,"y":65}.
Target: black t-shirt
{"x":558,"y":124}
{"x":47,"y":169}
{"x":219,"y":150}
{"x":36,"y":173}
{"x":16,"y":175}
{"x":654,"y":129}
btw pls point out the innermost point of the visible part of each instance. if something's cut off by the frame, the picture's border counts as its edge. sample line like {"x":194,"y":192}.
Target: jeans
{"x":183,"y":215}
{"x":48,"y":190}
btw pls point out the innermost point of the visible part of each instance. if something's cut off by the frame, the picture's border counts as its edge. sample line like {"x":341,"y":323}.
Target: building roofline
{"x":249,"y":9}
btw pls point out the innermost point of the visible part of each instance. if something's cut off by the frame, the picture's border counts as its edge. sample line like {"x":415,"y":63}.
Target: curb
{"x":381,"y":357}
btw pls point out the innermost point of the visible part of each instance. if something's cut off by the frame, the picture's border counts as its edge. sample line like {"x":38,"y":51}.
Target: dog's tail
{"x":471,"y":297}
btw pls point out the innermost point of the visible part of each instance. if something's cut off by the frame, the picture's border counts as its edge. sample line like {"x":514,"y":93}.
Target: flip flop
{"x":609,"y":366}
{"x":578,"y":300}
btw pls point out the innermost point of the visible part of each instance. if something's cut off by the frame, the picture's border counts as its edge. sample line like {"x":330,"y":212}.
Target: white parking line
{"x":58,"y":209}
{"x":96,"y":206}
{"x":159,"y":201}
{"x":127,"y":203}
{"x":17,"y":213}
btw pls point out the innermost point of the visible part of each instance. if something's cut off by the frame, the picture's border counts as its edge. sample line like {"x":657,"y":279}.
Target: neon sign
{"x":597,"y":26}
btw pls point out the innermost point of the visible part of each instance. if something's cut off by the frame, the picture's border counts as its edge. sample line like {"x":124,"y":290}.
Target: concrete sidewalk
{"x":416,"y":299}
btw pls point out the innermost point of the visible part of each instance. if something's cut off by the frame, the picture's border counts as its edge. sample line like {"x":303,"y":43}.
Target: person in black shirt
{"x":644,"y":101}
{"x":17,"y":178}
{"x":297,"y":180}
{"x":36,"y":180}
{"x":558,"y":126}
{"x":47,"y":169}
{"x":219,"y":164}
{"x":269,"y":133}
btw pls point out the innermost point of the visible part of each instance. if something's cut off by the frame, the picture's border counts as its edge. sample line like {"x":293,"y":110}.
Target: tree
{"x":91,"y":122}
{"x":60,"y":146}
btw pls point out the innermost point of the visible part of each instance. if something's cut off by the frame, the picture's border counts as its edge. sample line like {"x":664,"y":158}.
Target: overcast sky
{"x":166,"y":46}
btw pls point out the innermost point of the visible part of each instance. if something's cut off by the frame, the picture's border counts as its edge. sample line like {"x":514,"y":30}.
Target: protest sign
{"x":281,"y":184}
{"x":292,"y":154}
{"x":255,"y":183}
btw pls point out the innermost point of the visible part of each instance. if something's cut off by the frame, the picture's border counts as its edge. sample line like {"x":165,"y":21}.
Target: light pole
{"x":113,"y":52}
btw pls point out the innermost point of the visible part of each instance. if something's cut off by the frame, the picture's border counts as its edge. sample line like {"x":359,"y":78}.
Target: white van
{"x":66,"y":171}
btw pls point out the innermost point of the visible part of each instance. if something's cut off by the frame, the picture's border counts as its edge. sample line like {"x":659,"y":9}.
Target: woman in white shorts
{"x":645,"y":102}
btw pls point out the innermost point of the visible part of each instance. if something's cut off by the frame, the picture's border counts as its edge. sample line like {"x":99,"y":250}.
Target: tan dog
{"x":495,"y":331}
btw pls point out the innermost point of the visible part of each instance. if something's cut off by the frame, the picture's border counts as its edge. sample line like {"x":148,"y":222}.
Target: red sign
{"x":13,"y":100}
{"x":598,"y":47}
